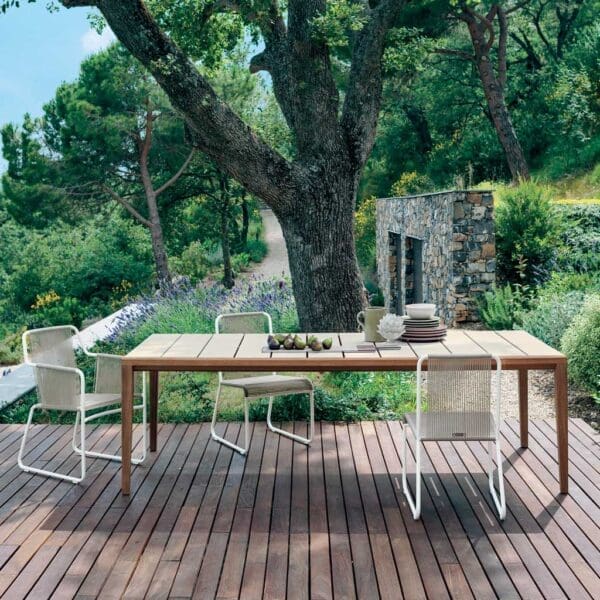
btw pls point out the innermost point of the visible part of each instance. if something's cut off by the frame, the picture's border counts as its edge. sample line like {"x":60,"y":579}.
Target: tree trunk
{"x":481,"y":30}
{"x":161,"y":261}
{"x":519,"y":169}
{"x":245,"y":222}
{"x":320,"y":243}
{"x":228,"y":279}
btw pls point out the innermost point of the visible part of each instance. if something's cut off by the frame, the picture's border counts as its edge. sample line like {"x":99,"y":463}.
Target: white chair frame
{"x":498,"y":497}
{"x":223,"y":382}
{"x":81,"y":418}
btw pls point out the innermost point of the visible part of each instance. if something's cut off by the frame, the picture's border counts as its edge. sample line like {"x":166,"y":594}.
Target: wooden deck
{"x":288,"y":522}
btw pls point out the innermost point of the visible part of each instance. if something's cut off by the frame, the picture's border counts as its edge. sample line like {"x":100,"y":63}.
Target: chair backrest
{"x":50,"y":345}
{"x":250,"y":322}
{"x":57,"y":389}
{"x":459,"y":392}
{"x":247,"y":322}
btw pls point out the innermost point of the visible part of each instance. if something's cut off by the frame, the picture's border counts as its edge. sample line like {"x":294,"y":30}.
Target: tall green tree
{"x":110,"y":136}
{"x":313,"y":192}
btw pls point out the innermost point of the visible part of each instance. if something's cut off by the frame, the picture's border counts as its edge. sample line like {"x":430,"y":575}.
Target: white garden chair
{"x":458,"y":401}
{"x":61,"y":386}
{"x":258,"y":386}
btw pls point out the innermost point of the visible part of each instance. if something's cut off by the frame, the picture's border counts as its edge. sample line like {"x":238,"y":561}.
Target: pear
{"x":327,"y":343}
{"x":310,"y":339}
{"x":274,"y":344}
{"x":280,"y":337}
{"x":288,"y":343}
{"x":299,"y":343}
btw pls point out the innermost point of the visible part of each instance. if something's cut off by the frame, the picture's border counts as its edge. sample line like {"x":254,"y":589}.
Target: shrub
{"x":364,"y":233}
{"x":500,"y":308}
{"x":83,"y":264}
{"x":257,"y":250}
{"x":240,"y":262}
{"x":193,"y":262}
{"x":528,"y":230}
{"x":552,"y":316}
{"x":411,"y":183}
{"x":561,"y":282}
{"x":581,"y":344}
{"x":11,"y":351}
{"x":581,"y":238}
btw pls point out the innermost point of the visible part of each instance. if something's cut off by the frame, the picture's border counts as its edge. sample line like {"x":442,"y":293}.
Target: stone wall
{"x":456,"y":229}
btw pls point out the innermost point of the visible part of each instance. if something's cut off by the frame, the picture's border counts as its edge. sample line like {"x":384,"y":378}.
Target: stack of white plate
{"x":424,"y":330}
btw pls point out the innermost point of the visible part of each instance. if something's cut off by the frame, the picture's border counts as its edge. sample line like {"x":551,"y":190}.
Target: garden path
{"x":275,"y":263}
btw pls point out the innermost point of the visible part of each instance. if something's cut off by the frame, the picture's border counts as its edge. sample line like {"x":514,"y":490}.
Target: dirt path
{"x":275,"y":264}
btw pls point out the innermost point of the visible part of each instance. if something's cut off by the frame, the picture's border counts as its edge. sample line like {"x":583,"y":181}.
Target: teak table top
{"x":235,"y":352}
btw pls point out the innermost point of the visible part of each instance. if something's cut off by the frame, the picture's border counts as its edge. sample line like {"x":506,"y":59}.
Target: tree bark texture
{"x":313,"y":195}
{"x":493,"y":81}
{"x":228,"y":279}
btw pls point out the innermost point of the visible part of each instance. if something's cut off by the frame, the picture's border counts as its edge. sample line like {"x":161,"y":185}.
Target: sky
{"x":38,"y":51}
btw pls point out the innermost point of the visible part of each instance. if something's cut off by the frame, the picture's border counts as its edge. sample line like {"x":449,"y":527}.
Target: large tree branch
{"x":217,"y":130}
{"x":127,"y":206}
{"x":177,"y":175}
{"x":363,"y":97}
{"x":303,"y":81}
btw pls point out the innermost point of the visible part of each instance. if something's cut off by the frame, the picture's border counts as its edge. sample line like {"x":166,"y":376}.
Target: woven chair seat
{"x":270,"y":385}
{"x":453,"y":426}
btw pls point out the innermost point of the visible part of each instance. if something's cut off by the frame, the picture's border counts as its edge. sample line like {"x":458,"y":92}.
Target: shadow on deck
{"x":288,"y":522}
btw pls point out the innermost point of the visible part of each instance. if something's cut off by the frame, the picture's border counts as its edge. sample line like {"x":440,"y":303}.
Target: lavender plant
{"x":187,"y":309}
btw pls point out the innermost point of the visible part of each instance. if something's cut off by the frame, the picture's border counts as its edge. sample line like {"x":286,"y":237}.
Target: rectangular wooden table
{"x":518,"y":351}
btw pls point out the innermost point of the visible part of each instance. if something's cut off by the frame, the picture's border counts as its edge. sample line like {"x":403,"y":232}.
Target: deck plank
{"x":329,"y":521}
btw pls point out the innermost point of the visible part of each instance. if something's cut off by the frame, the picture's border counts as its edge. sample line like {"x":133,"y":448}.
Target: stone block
{"x":478,"y":212}
{"x":476,"y":267}
{"x":487,"y":200}
{"x":488,"y":250}
{"x":490,"y":266}
{"x":459,"y":211}
{"x":488,"y":277}
{"x":459,"y":237}
{"x":474,"y":198}
{"x":474,"y":254}
{"x":456,"y":246}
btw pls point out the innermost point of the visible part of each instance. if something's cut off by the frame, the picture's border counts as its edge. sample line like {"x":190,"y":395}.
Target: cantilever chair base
{"x":259,"y":386}
{"x":244,"y":449}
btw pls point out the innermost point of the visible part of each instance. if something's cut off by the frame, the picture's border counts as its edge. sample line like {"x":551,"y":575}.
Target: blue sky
{"x":38,"y":51}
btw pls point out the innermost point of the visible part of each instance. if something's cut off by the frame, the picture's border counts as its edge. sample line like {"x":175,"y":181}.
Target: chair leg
{"x":414,"y":503}
{"x":37,"y":471}
{"x":116,"y":457}
{"x":215,"y":436}
{"x":499,"y":499}
{"x":292,"y":436}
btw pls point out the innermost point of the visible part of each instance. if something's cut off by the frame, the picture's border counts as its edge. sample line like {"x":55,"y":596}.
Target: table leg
{"x":524,"y":407}
{"x":562,"y":423}
{"x":153,"y":409}
{"x":126,"y":426}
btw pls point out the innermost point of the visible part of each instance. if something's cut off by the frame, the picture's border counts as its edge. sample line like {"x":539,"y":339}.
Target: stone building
{"x":437,"y":248}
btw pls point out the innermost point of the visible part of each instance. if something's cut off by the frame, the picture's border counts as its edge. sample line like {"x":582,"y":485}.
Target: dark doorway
{"x":413,"y":270}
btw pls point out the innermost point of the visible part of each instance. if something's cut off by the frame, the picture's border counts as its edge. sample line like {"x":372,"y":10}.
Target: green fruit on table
{"x":316,"y":345}
{"x":280,"y":337}
{"x":311,"y":338}
{"x":274,"y":344}
{"x":288,"y":343}
{"x":327,"y":343}
{"x":299,"y":343}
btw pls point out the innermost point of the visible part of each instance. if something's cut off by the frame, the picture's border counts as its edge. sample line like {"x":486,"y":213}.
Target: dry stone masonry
{"x":437,"y":248}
